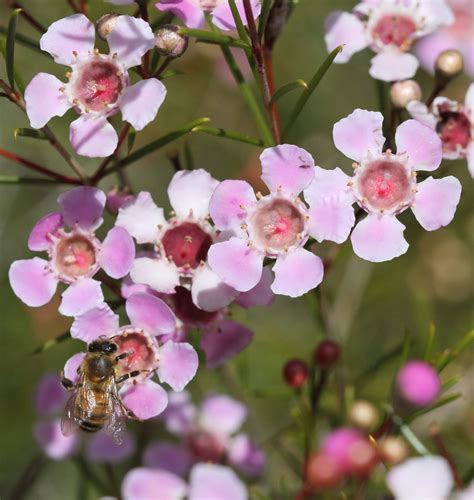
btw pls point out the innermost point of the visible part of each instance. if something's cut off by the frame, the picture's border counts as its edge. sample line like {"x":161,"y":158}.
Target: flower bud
{"x":295,"y":373}
{"x":364,"y":415}
{"x":449,"y":64}
{"x":393,"y":449}
{"x":327,"y":353}
{"x":117,"y":198}
{"x":169,"y":42}
{"x":417,"y":384}
{"x":403,"y":92}
{"x":105,"y":24}
{"x":363,"y":457}
{"x":322,"y":471}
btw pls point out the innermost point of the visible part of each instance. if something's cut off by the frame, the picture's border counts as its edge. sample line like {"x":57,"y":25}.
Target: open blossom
{"x":456,"y":36}
{"x":193,"y":12}
{"x":181,"y":243}
{"x":384,"y":183}
{"x":453,"y":122}
{"x":75,"y":254}
{"x":98,"y":84}
{"x":209,"y":433}
{"x":389,"y":28}
{"x":275,"y":226}
{"x":150,"y":318}
{"x":206,"y":482}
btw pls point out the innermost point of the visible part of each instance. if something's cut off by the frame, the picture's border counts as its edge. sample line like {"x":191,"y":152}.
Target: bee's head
{"x":104,"y":346}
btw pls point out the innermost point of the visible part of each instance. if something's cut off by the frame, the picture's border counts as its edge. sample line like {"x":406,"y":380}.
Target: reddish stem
{"x":73,"y":6}
{"x":444,"y":452}
{"x":38,"y":26}
{"x":38,"y":168}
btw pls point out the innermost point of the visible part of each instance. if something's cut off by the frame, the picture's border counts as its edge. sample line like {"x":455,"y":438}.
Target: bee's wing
{"x":115,"y":426}
{"x":69,"y":422}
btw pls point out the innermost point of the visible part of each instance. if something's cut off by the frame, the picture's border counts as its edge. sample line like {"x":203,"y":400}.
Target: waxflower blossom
{"x":150,"y":318}
{"x":209,"y":433}
{"x":193,"y":12}
{"x":384,"y":183}
{"x":181,"y":243}
{"x":98,"y":84}
{"x":206,"y":482}
{"x":418,"y":384}
{"x":389,"y":28}
{"x":453,"y":122}
{"x":75,"y":254}
{"x":456,"y":36}
{"x":275,"y":226}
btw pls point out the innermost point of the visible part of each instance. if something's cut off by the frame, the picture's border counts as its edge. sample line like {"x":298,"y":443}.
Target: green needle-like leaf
{"x":10,"y":47}
{"x":25,"y":41}
{"x":29,"y":132}
{"x":264,"y":13}
{"x":214,"y":38}
{"x":14,"y":179}
{"x":441,"y":402}
{"x":297,"y":84}
{"x":227,"y":134}
{"x":318,"y":76}
{"x":429,"y":342}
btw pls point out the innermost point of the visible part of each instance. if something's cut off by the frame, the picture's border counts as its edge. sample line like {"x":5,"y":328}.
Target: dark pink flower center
{"x":75,"y":256}
{"x":205,"y":447}
{"x":182,"y":304}
{"x":277,"y":224}
{"x":187,"y":244}
{"x":141,"y":355}
{"x":394,"y":29}
{"x":384,"y":184}
{"x":98,"y":85}
{"x":454,"y":130}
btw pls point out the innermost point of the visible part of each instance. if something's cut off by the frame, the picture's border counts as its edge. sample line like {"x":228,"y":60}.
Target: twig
{"x":438,"y":441}
{"x":73,"y":6}
{"x":28,"y":17}
{"x":28,"y":477}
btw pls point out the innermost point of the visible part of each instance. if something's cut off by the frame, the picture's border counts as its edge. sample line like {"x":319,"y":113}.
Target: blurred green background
{"x":370,"y":307}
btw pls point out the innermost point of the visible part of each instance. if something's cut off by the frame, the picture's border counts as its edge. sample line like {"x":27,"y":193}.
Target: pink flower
{"x":389,"y":28}
{"x":384,"y":183}
{"x":192,"y":12}
{"x":101,"y":448}
{"x":181,"y":243}
{"x":207,"y":482}
{"x":75,"y":254}
{"x":453,"y":122}
{"x":98,"y":85}
{"x":274,"y":226}
{"x":456,"y":36}
{"x":150,"y":318}
{"x":209,"y":433}
{"x":341,"y":445}
{"x":418,"y":384}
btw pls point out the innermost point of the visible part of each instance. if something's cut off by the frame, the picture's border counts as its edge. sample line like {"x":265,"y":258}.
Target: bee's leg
{"x":131,"y":374}
{"x":123,"y":355}
{"x":66,"y":383}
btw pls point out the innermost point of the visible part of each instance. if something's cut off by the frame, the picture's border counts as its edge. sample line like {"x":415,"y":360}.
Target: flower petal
{"x":189,"y":11}
{"x":420,"y":112}
{"x":102,"y":449}
{"x":343,"y":28}
{"x":328,"y":183}
{"x":297,"y":272}
{"x":94,"y":324}
{"x":222,"y":15}
{"x":378,"y":238}
{"x":393,"y":65}
{"x":244,"y":455}
{"x":436,"y":201}
{"x":421,"y":143}
{"x":32,"y":281}
{"x":359,"y":133}
{"x":211,"y":481}
{"x":152,"y":484}
{"x":157,"y":273}
{"x":150,"y":313}
{"x":190,"y":191}
{"x":72,"y":365}
{"x":229,"y":204}
{"x":93,"y":136}
{"x":81,"y":296}
{"x":261,"y":294}
{"x":178,"y":364}
{"x":130,"y":39}
{"x":237,"y":264}
{"x":68,"y":35}
{"x":222,"y":415}
{"x":39,"y":239}
{"x":180,"y":414}
{"x":172,"y":457}
{"x":118,"y":253}
{"x":82,"y":205}
{"x":470,"y":158}
{"x":141,"y":218}
{"x":146,"y":399}
{"x":44,"y":100}
{"x":54,"y":444}
{"x":287,"y":167}
{"x":421,"y":477}
{"x":209,"y":292}
{"x":50,"y":396}
{"x":331,"y":219}
{"x":224,"y":340}
{"x":140,"y":102}
{"x":469,"y":99}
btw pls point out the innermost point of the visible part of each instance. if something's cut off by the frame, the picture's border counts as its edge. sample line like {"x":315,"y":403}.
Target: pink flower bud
{"x":418,"y":383}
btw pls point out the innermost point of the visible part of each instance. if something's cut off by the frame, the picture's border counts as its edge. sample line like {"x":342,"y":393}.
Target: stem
{"x":28,"y":17}
{"x":163,"y":66}
{"x":443,"y":451}
{"x":88,"y":474}
{"x":38,"y":168}
{"x":109,"y":470}
{"x":73,"y":6}
{"x":28,"y":477}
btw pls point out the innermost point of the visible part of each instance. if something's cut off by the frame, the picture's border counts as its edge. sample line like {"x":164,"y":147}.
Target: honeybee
{"x":95,"y":403}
